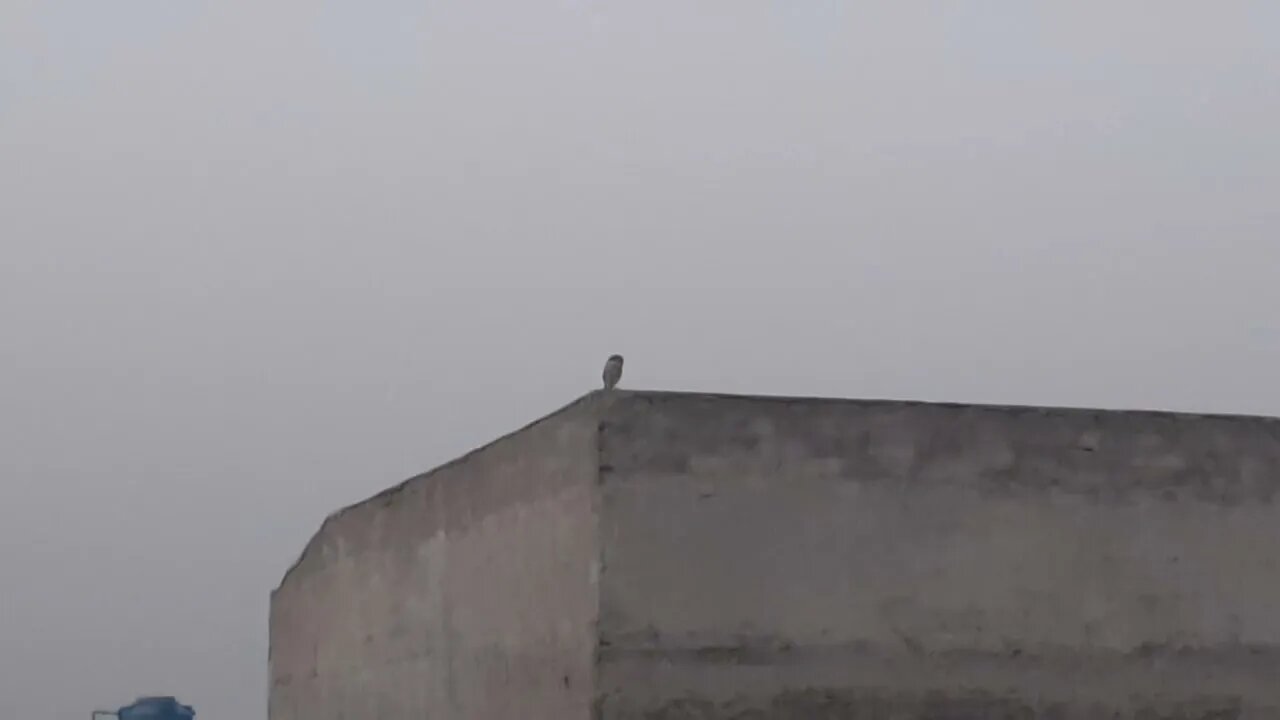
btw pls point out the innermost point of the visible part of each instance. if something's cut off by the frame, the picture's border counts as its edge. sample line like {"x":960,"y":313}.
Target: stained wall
{"x":773,"y":558}
{"x":467,"y":593}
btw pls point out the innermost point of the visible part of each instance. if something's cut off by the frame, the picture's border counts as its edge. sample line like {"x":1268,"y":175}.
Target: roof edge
{"x":692,"y":395}
{"x":888,"y":402}
{"x":399,"y":487}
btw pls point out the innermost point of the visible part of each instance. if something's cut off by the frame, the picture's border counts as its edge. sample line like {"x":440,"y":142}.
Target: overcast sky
{"x":263,"y":259}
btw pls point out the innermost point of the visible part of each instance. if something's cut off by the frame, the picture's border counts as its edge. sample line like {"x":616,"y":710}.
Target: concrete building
{"x":667,"y":555}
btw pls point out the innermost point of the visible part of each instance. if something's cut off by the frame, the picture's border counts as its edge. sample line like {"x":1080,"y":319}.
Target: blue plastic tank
{"x":157,"y":708}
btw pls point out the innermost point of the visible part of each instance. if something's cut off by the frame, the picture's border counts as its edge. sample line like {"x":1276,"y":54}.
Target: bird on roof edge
{"x":612,"y":371}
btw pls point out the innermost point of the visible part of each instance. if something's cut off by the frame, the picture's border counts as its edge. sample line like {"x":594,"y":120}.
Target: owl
{"x":612,"y":371}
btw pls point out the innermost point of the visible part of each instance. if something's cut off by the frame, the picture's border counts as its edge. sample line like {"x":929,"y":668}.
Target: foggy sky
{"x":261,"y":260}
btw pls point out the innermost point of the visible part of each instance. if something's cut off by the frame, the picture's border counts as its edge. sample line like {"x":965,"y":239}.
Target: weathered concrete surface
{"x":769,"y":558}
{"x":663,"y":555}
{"x":466,"y":593}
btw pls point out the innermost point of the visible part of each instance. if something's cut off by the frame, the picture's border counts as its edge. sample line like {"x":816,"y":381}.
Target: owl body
{"x":612,"y":371}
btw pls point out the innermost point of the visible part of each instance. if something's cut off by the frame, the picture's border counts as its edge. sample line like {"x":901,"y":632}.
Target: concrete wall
{"x":466,"y":594}
{"x":655,"y":555}
{"x":815,"y":559}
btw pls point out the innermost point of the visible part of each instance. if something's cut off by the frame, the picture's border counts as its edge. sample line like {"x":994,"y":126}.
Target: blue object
{"x":156,"y":708}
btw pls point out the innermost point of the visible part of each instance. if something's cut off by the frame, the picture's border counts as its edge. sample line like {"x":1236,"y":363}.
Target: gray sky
{"x":263,"y":259}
